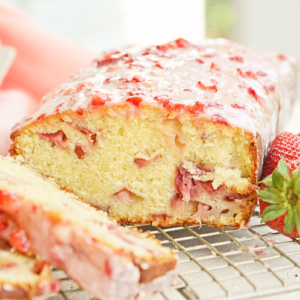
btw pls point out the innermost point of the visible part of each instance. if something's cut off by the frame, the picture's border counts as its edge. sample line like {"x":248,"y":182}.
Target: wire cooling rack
{"x":253,"y":263}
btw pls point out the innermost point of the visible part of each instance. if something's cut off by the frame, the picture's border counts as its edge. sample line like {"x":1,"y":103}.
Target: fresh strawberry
{"x":280,"y":190}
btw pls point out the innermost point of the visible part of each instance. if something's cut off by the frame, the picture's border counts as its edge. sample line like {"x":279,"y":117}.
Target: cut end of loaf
{"x":146,"y":165}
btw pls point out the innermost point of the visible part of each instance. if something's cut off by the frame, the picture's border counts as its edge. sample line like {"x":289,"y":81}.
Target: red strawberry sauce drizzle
{"x":204,"y":87}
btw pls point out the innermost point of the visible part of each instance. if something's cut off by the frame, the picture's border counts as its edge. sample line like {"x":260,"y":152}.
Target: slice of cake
{"x":170,"y":134}
{"x":23,"y":277}
{"x":110,"y":261}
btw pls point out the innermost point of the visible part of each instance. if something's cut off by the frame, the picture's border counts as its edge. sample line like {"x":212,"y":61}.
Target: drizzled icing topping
{"x":242,"y":86}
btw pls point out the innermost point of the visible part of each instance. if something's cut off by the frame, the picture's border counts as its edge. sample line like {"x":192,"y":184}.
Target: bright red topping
{"x":158,"y":65}
{"x":18,"y":240}
{"x":281,"y":57}
{"x":269,"y":87}
{"x":163,"y":100}
{"x":165,"y":47}
{"x":99,"y":99}
{"x":239,"y":106}
{"x":58,"y":138}
{"x":200,"y":61}
{"x":207,"y":87}
{"x":252,"y":92}
{"x":196,"y":108}
{"x":182,"y":43}
{"x":134,"y":100}
{"x":41,"y":116}
{"x":137,"y":79}
{"x":248,"y":74}
{"x":214,"y":67}
{"x":237,"y":58}
{"x":219,"y":119}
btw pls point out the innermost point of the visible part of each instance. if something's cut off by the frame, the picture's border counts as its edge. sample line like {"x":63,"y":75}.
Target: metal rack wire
{"x":253,"y":263}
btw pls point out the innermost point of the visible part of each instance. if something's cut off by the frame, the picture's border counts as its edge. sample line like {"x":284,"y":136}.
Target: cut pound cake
{"x":171,"y":134}
{"x":23,"y":277}
{"x":110,"y":261}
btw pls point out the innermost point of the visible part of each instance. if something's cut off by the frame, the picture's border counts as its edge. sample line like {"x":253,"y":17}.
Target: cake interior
{"x":146,"y":165}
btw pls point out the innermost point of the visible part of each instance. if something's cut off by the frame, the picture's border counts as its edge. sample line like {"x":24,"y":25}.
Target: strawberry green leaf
{"x":269,"y":209}
{"x":283,"y":169}
{"x":289,"y":221}
{"x":274,"y":214}
{"x":297,"y":186}
{"x":277,"y":179}
{"x":296,"y":174}
{"x":270,"y":196}
{"x":297,"y":219}
{"x":268,"y":181}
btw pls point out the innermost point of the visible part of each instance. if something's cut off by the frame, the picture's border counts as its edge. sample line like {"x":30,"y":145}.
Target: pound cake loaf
{"x":23,"y":277}
{"x":170,"y":134}
{"x":109,"y":261}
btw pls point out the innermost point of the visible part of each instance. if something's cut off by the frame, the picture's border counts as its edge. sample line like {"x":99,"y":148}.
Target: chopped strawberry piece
{"x":239,"y":106}
{"x":250,"y":75}
{"x":269,"y":87}
{"x":164,"y":100}
{"x":202,"y":210}
{"x":18,"y":240}
{"x":8,"y":202}
{"x":281,"y":57}
{"x":182,"y":43}
{"x":184,"y":183}
{"x":141,"y":162}
{"x":124,"y":196}
{"x":165,"y":47}
{"x":58,"y":138}
{"x":137,"y":79}
{"x":207,"y":87}
{"x":259,"y":73}
{"x":200,"y":61}
{"x":55,"y":286}
{"x":108,"y":267}
{"x":80,"y":111}
{"x":99,"y":99}
{"x":106,"y":61}
{"x":237,"y":58}
{"x":80,"y":87}
{"x":177,"y":203}
{"x":252,"y":92}
{"x":91,"y":136}
{"x":219,"y":119}
{"x":158,"y":65}
{"x":58,"y":107}
{"x":134,"y":100}
{"x":41,"y":116}
{"x":214,"y":66}
{"x":3,"y":221}
{"x":80,"y":151}
{"x":196,"y":108}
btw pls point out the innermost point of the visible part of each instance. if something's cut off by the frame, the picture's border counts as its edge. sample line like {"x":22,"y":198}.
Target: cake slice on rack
{"x":169,"y":134}
{"x":23,"y":277}
{"x":110,"y":261}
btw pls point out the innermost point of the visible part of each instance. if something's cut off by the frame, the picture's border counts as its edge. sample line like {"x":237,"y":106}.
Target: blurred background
{"x":103,"y":25}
